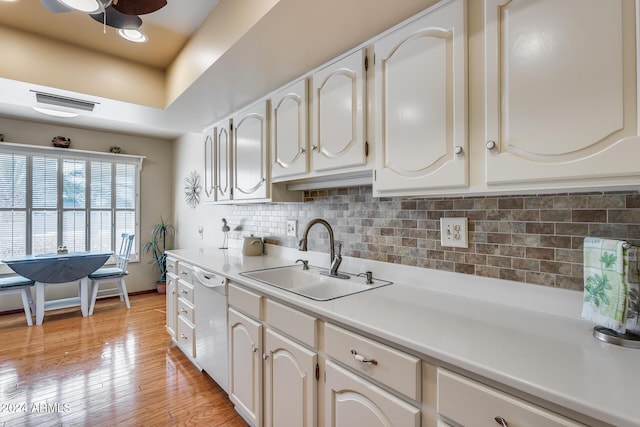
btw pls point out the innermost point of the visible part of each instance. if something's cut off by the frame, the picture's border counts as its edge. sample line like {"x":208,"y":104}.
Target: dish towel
{"x":605,"y":283}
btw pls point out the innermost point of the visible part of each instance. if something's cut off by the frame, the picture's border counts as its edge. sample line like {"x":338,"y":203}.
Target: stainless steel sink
{"x":314,"y":283}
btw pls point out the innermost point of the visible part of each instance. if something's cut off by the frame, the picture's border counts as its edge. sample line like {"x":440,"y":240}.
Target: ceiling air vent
{"x":63,"y":101}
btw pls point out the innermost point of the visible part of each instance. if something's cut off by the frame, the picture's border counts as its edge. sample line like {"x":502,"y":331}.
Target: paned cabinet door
{"x":338,"y":114}
{"x":289,"y":131}
{"x":290,"y":384}
{"x":561,"y":93}
{"x":222,"y":160}
{"x":250,"y":135}
{"x":245,"y":365}
{"x":421,"y":104}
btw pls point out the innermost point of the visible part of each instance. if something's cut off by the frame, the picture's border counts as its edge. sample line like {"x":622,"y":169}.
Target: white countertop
{"x":526,"y":337}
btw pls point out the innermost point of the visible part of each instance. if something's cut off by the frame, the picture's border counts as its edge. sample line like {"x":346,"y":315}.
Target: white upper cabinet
{"x":561,"y":93}
{"x":338,"y":114}
{"x":250,"y":155}
{"x":289,"y":131}
{"x":421,"y":104}
{"x":222,"y":143}
{"x":208,"y":182}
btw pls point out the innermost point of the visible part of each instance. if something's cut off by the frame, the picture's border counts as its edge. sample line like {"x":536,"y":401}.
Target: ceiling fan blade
{"x":55,"y":6}
{"x":139,"y":7}
{"x":116,"y":19}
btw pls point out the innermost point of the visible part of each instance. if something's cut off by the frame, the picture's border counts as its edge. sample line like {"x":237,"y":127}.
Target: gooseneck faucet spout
{"x":335,"y":261}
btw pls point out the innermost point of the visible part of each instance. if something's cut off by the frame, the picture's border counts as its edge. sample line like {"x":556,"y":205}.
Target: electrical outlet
{"x":292,"y":228}
{"x":201,"y":232}
{"x":454,"y":232}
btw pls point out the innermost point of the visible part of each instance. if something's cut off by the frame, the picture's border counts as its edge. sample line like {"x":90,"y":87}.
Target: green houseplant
{"x":160,"y":239}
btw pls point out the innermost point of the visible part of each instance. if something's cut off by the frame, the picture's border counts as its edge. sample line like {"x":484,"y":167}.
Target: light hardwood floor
{"x":117,"y":367}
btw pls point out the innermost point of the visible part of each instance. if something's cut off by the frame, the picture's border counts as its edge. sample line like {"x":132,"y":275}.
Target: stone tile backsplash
{"x":531,"y":238}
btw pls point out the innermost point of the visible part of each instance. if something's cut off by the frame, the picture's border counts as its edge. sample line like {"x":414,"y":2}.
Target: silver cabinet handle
{"x":255,"y":349}
{"x":501,"y":421}
{"x":182,"y":291}
{"x":265,"y":356}
{"x":182,"y":310}
{"x":457,"y":149}
{"x":314,"y":148}
{"x":361,"y":358}
{"x":491,"y":145}
{"x":302,"y":150}
{"x":184,"y":337}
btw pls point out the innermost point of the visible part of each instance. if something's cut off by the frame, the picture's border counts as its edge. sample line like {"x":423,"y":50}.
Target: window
{"x":81,"y":200}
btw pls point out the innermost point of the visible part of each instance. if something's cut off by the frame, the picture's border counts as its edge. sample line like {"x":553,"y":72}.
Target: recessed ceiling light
{"x":54,"y":113}
{"x":87,"y":6}
{"x":133,"y":35}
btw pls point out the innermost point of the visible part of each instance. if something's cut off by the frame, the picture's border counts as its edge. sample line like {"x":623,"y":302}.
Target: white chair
{"x":112,"y":275}
{"x":15,"y":284}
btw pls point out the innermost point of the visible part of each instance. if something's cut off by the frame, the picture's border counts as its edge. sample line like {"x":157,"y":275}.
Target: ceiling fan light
{"x":132,"y":35}
{"x":86,"y":6}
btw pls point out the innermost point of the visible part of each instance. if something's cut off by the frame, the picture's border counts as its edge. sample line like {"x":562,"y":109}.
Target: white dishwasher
{"x":210,"y":302}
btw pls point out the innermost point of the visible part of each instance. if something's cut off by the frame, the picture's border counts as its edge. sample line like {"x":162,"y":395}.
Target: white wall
{"x":156,"y":186}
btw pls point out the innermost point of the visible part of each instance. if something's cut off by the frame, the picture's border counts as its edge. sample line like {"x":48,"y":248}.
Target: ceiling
{"x":168,"y":29}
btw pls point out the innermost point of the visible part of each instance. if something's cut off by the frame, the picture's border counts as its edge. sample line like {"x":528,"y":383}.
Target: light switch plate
{"x":292,"y":228}
{"x":454,"y":232}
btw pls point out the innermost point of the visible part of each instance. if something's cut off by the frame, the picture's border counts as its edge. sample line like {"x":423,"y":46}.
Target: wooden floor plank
{"x":117,"y":367}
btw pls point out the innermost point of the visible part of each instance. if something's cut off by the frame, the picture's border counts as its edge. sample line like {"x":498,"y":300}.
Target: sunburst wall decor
{"x":192,"y":189}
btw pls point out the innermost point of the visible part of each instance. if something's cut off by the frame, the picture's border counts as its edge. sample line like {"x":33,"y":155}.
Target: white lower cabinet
{"x":290,"y":386}
{"x":352,"y":401}
{"x":470,"y":403}
{"x":245,"y":366}
{"x":172,"y":304}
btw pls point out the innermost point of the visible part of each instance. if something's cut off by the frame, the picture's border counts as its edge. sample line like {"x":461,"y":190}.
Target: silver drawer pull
{"x":183,"y":336}
{"x":184,"y":292}
{"x":361,"y":358}
{"x":501,"y":421}
{"x":182,"y":310}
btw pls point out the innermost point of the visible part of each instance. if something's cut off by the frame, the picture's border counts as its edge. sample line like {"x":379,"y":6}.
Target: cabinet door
{"x":338,"y":120}
{"x":561,"y":92}
{"x":290,"y":383}
{"x":250,"y":153}
{"x":222,"y":158}
{"x":209,"y":181}
{"x":353,"y":401}
{"x":289,"y":131}
{"x":245,"y":366}
{"x":421,"y":100}
{"x":172,"y":305}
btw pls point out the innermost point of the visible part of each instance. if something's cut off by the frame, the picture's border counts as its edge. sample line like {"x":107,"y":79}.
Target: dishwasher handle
{"x":208,"y":279}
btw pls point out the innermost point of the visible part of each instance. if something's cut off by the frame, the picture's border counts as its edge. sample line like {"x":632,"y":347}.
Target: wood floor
{"x":117,"y":367}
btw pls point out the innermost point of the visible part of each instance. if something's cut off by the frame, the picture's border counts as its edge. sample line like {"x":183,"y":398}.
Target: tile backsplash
{"x":531,"y":238}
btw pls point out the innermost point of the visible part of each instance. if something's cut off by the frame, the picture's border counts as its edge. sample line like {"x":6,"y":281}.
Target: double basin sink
{"x":314,"y":282}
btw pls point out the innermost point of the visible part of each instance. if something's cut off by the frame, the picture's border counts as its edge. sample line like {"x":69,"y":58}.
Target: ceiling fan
{"x":120,"y":14}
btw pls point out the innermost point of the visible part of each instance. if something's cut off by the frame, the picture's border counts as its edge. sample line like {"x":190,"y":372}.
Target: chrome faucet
{"x":335,"y":260}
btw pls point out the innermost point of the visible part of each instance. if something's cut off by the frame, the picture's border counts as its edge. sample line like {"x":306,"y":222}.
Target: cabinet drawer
{"x":385,"y":364}
{"x":292,"y":322}
{"x":172,"y":266}
{"x":185,"y":290}
{"x":186,"y":337}
{"x":245,"y":301}
{"x":185,"y":272}
{"x":468,"y":402}
{"x":186,"y":310}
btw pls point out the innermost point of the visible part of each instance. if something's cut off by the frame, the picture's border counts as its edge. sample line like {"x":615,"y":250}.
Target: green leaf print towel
{"x":605,"y":283}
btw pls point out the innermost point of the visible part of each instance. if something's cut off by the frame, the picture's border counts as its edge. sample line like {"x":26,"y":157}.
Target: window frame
{"x":87,"y":157}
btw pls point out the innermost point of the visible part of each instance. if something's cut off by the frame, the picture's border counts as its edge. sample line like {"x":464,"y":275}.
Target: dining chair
{"x":16,"y":284}
{"x":112,"y":275}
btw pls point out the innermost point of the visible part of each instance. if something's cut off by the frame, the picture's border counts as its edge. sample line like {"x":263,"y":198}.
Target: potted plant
{"x":160,"y":239}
